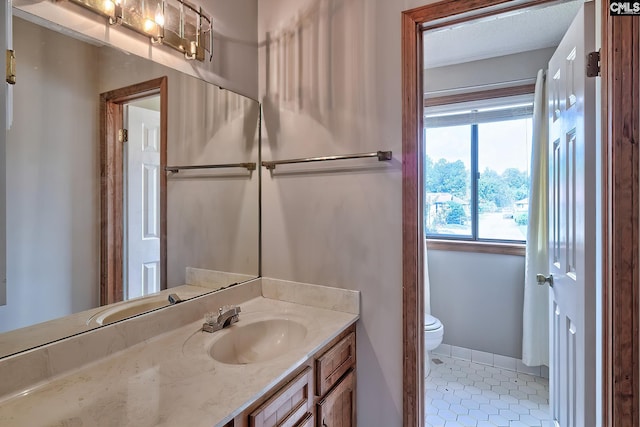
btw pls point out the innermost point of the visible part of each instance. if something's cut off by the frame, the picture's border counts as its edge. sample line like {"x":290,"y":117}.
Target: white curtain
{"x":535,"y":325}
{"x":425,"y":278}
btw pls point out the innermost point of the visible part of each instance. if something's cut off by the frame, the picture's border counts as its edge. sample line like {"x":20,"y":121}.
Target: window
{"x":476,"y":170}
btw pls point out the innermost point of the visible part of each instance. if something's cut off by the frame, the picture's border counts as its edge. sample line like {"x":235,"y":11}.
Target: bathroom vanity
{"x":321,"y":392}
{"x":290,"y":360}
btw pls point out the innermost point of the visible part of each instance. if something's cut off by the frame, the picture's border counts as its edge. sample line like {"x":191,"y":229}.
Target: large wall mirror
{"x":183,"y":231}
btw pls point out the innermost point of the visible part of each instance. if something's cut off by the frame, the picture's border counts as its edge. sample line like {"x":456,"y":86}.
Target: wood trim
{"x":448,"y":8}
{"x":621,"y":281}
{"x":164,"y":124}
{"x":479,"y":95}
{"x":607,"y":338}
{"x":111,"y":181}
{"x":412,"y":312}
{"x":468,"y":10}
{"x":477,"y":247}
{"x":110,"y":203}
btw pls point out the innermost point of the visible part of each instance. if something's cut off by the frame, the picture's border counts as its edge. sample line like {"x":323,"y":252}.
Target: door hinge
{"x":123,"y":135}
{"x":11,"y":67}
{"x":593,"y":64}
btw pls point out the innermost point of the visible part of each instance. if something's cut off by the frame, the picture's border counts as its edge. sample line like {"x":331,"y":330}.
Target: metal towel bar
{"x":381,"y":155}
{"x":247,"y":166}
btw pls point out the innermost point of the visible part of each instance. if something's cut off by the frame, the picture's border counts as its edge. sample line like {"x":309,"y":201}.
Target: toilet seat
{"x":431,"y":323}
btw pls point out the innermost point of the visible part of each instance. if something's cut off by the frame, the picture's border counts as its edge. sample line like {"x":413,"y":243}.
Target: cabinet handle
{"x":323,"y":423}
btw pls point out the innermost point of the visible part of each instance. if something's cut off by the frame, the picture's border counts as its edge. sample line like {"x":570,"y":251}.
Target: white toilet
{"x":433,"y":333}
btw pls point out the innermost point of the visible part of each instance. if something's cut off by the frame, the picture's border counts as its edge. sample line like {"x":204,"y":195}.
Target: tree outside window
{"x":496,"y":151}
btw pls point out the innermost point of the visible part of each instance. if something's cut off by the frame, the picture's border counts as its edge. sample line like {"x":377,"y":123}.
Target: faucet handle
{"x":228,"y":308}
{"x":210,"y":317}
{"x":225,"y":316}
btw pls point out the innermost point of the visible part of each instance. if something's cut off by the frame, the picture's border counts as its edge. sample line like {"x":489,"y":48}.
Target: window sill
{"x":478,"y":247}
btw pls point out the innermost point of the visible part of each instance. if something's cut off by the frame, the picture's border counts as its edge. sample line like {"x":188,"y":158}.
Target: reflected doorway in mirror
{"x":133,"y":191}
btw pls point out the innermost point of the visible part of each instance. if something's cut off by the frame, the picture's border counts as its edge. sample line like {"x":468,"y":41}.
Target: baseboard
{"x":490,"y":359}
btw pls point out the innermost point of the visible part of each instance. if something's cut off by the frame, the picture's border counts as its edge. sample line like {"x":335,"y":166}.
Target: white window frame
{"x":474,"y":112}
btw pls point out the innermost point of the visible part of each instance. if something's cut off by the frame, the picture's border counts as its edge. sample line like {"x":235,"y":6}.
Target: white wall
{"x":53,"y":202}
{"x":338,"y":91}
{"x":213,"y":216}
{"x":479,"y":300}
{"x":490,"y":72}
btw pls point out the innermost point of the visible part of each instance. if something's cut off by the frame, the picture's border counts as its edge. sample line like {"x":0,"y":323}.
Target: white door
{"x":142,"y":222}
{"x":572,"y":227}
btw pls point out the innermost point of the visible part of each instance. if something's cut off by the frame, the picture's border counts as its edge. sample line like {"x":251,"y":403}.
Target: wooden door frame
{"x":111,"y":185}
{"x":620,"y":59}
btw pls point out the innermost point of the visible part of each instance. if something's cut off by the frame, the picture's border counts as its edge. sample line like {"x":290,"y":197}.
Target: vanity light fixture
{"x":178,"y":24}
{"x":114,"y":9}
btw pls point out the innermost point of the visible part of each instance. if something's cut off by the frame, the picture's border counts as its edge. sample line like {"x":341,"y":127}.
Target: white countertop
{"x":170,"y":380}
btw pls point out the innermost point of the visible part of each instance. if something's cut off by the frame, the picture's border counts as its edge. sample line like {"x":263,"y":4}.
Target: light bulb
{"x":109,"y":7}
{"x":159,"y":15}
{"x":149,"y":25}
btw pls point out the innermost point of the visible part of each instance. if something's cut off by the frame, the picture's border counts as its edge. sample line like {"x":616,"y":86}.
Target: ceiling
{"x":499,"y":35}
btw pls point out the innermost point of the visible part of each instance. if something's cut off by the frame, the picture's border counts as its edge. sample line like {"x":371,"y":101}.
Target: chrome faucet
{"x":226,"y":316}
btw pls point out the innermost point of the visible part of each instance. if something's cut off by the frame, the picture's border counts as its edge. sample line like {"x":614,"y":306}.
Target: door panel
{"x":143,"y":202}
{"x":150,"y":201}
{"x":572,"y":239}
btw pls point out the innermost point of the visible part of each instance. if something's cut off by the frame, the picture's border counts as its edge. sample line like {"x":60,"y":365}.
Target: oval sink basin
{"x":258,"y":342}
{"x":133,"y":308}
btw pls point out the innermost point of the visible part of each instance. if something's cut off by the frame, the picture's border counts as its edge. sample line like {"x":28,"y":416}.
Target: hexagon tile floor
{"x":463,"y":393}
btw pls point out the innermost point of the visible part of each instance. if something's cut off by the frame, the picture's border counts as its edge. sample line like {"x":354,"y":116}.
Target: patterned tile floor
{"x":463,"y":393}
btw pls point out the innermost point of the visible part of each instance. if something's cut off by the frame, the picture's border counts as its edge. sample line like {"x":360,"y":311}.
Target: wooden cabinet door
{"x":337,"y":409}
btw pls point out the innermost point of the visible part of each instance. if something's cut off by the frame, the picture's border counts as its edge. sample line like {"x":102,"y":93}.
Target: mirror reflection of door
{"x":133,"y":191}
{"x":141,"y":222}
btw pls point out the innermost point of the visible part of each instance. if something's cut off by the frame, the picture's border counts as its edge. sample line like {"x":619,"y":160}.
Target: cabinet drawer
{"x":333,"y":364}
{"x":289,"y":407}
